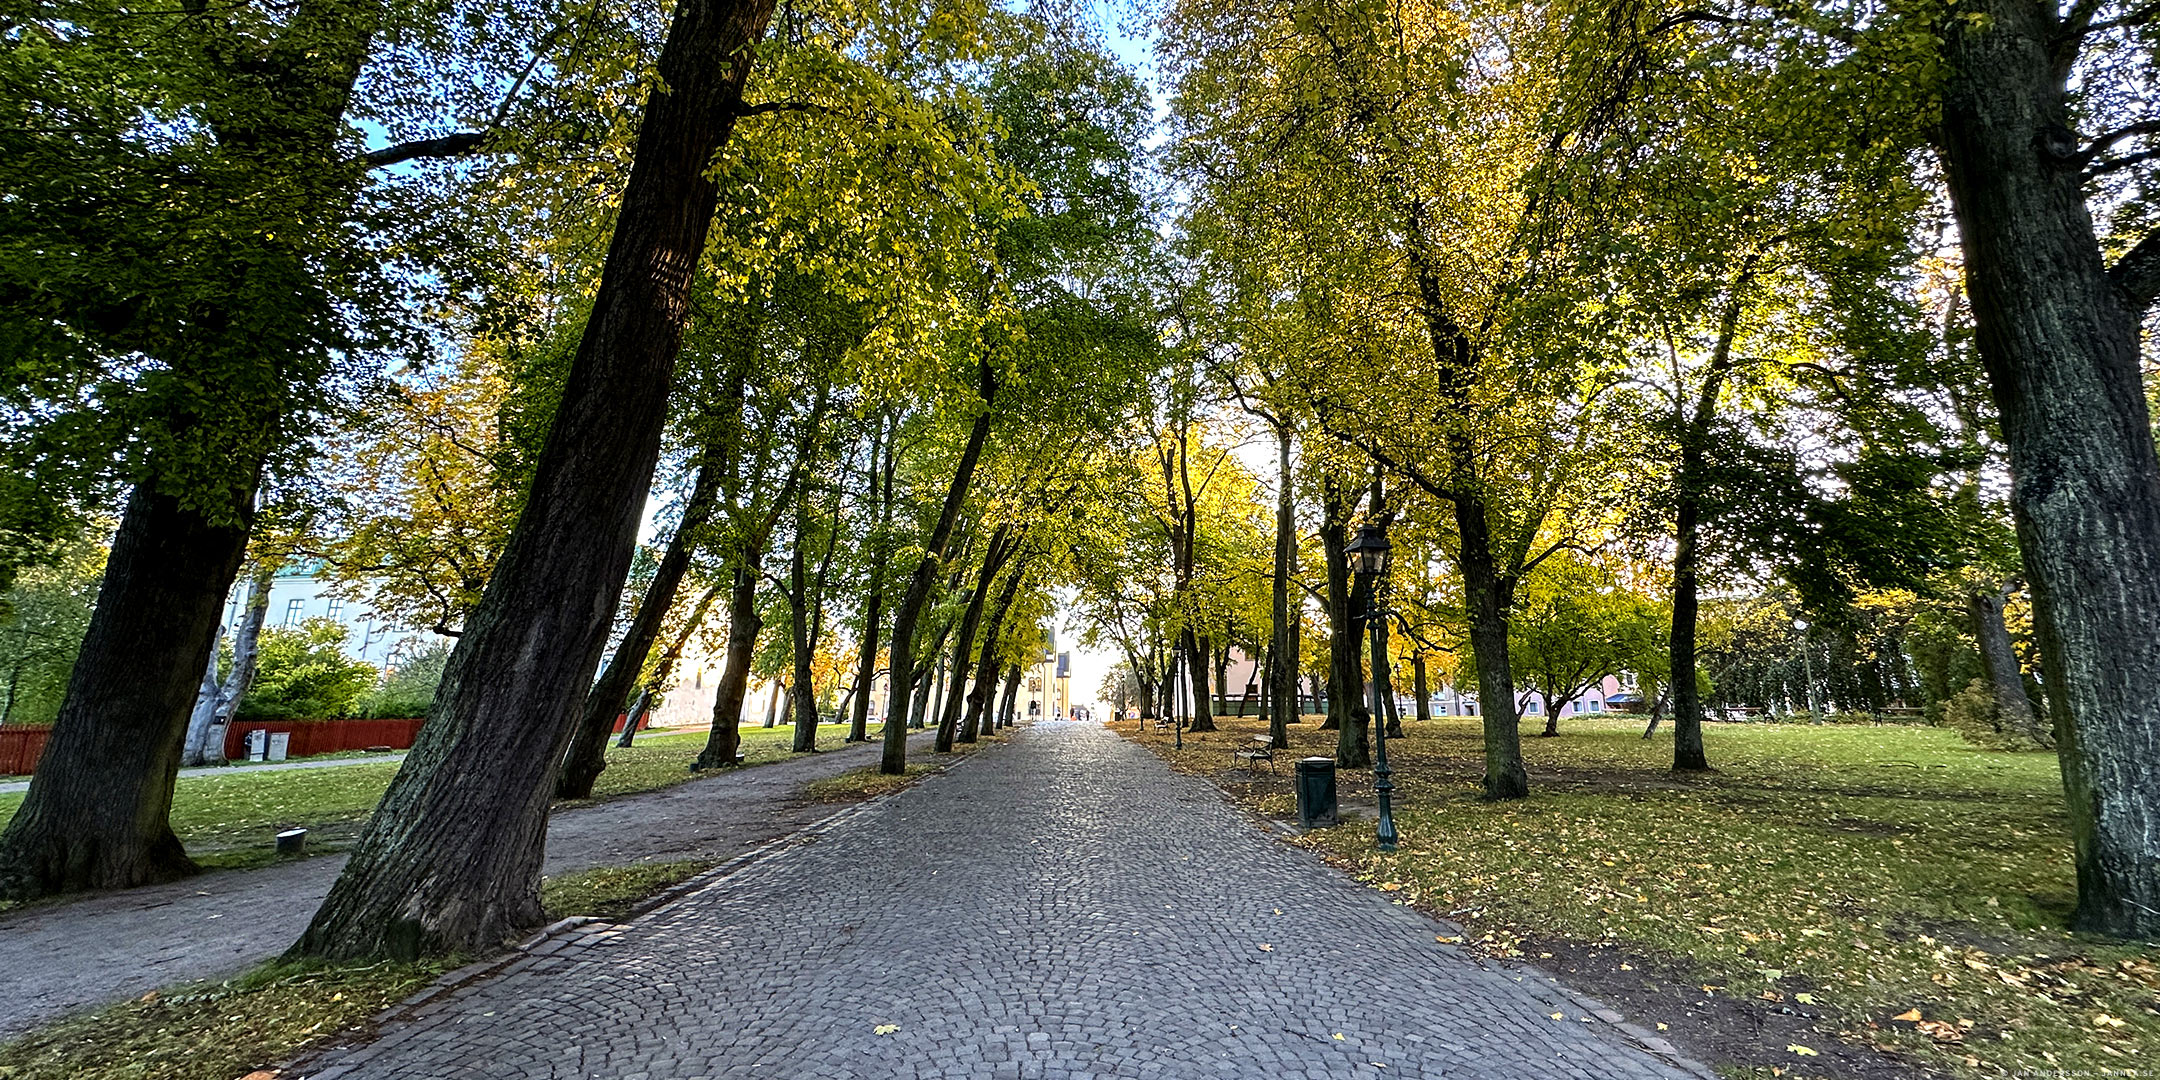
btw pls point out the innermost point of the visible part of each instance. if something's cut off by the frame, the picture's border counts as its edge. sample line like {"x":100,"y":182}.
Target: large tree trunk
{"x":1196,"y":665}
{"x":1419,"y":684}
{"x":874,"y":606}
{"x":1346,"y":712}
{"x":1688,"y":753}
{"x":772,"y":705}
{"x":744,"y":625}
{"x":455,"y":866}
{"x":1384,"y":682}
{"x":586,"y":758}
{"x":1006,"y":704}
{"x":2059,"y":336}
{"x":214,"y":708}
{"x":97,"y":813}
{"x":665,"y":669}
{"x":1282,"y":692}
{"x":1998,"y":660}
{"x":894,"y":760}
{"x":1490,"y":598}
{"x":979,"y":716}
{"x":999,"y":549}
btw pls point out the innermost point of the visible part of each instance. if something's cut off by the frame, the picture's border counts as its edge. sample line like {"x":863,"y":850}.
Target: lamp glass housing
{"x":1369,"y":552}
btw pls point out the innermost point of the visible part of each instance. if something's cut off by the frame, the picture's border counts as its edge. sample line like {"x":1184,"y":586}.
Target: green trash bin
{"x":1316,"y":792}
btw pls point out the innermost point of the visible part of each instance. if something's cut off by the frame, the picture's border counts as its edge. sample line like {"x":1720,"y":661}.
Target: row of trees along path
{"x":918,"y":322}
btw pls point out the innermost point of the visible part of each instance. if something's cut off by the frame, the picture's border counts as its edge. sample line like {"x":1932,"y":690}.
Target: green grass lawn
{"x":1852,"y":875}
{"x":231,"y":820}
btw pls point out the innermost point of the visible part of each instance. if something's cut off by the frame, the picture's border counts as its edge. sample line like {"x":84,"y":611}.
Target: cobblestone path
{"x":1063,"y":906}
{"x":121,"y":944}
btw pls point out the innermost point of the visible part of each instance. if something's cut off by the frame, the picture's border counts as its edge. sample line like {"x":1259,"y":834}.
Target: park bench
{"x":1262,"y":748}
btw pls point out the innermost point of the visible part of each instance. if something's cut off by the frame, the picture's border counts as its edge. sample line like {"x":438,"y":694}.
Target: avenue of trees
{"x":1766,"y":356}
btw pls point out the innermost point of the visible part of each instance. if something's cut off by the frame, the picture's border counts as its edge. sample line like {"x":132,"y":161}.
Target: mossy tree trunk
{"x":2058,"y":332}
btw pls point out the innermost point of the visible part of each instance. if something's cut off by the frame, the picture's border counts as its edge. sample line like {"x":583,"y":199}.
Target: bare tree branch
{"x":449,"y":146}
{"x":2101,"y":144}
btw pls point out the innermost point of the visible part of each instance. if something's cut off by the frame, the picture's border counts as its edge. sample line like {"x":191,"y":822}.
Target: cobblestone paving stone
{"x":1063,"y":906}
{"x":122,"y":944}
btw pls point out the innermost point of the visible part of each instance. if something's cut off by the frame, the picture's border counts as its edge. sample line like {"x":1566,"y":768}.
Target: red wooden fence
{"x":22,"y":744}
{"x":311,"y":737}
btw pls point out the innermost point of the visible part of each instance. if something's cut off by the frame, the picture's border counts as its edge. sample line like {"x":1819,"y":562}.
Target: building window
{"x":1578,"y":706}
{"x":337,"y":607}
{"x":1596,"y":705}
{"x":1534,"y":707}
{"x":292,"y":611}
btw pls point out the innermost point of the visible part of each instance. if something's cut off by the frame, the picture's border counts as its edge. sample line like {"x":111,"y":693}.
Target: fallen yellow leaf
{"x":1559,"y":1016}
{"x":1803,"y":1051}
{"x":1804,"y":998}
{"x":885,"y":1029}
{"x":2104,"y":1020}
{"x":1910,"y":1016}
{"x":1338,"y":1036}
{"x":1264,"y":947}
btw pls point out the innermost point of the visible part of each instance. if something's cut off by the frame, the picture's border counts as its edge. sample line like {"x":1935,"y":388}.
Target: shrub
{"x":304,"y":674}
{"x":408,"y":688}
{"x":1975,"y":716}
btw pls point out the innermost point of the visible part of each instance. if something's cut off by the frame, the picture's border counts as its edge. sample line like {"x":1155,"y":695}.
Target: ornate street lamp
{"x":1369,"y":560}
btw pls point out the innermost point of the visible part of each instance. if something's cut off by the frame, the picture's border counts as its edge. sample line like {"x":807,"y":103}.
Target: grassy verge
{"x":855,"y":785}
{"x":215,"y":1031}
{"x":611,"y":892}
{"x":1861,"y":896}
{"x":231,"y":820}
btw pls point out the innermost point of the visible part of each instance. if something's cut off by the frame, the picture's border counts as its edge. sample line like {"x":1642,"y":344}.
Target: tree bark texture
{"x":1420,"y":686}
{"x":980,"y":718}
{"x":893,"y":762}
{"x":1282,"y":691}
{"x":874,"y":605}
{"x":1490,"y":597}
{"x":1007,"y":703}
{"x":1196,"y":666}
{"x":586,"y":757}
{"x":1998,"y":660}
{"x":994,"y":557}
{"x":665,"y":669}
{"x":207,"y":727}
{"x":744,"y":625}
{"x":451,"y":859}
{"x":97,"y":812}
{"x":1001,"y":546}
{"x":2059,"y":336}
{"x":1345,"y":711}
{"x":806,"y":598}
